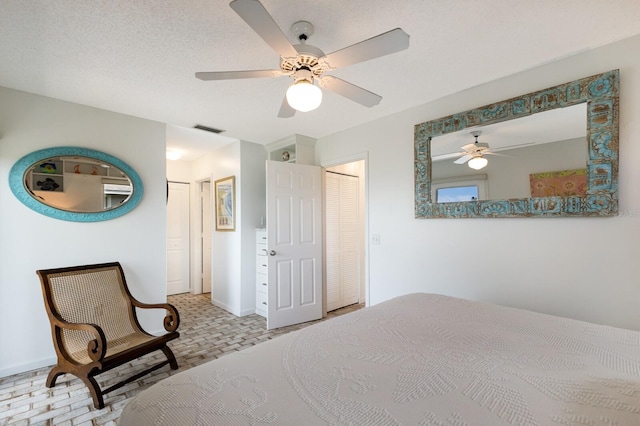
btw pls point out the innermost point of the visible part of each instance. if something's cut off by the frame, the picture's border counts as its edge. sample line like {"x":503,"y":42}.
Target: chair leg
{"x":172,"y":359}
{"x":53,"y":376}
{"x":94,"y":389}
{"x":90,"y":382}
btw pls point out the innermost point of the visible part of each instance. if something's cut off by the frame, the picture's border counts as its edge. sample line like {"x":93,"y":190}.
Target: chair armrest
{"x":171,"y":320}
{"x":96,"y":348}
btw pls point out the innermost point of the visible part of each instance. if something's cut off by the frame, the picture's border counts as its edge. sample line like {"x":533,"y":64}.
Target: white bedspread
{"x":419,"y":359}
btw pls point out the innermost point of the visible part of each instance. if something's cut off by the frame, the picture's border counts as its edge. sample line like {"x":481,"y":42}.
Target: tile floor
{"x":206,"y":332}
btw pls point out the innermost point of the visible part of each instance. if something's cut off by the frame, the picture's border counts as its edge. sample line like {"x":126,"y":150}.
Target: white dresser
{"x":261,"y":272}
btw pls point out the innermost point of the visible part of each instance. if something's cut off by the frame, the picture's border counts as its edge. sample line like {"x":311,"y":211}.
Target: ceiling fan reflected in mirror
{"x":472,"y":154}
{"x":306,"y":64}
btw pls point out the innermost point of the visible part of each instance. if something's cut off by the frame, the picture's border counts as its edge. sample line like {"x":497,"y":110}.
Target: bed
{"x":418,"y":359}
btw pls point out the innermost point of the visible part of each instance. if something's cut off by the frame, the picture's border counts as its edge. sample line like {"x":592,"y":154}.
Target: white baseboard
{"x":246,"y":312}
{"x":224,"y":306}
{"x":34,"y":365}
{"x":242,"y":313}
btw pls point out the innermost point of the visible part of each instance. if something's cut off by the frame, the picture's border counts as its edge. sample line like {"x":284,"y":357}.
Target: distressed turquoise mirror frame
{"x":20,"y":168}
{"x":600,"y":92}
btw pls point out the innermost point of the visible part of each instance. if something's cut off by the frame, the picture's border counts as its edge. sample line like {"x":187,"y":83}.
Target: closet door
{"x":178,"y":238}
{"x":342,"y":247}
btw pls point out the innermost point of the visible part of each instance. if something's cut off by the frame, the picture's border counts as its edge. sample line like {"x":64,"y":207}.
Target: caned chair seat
{"x":114,"y":347}
{"x":95,"y":327}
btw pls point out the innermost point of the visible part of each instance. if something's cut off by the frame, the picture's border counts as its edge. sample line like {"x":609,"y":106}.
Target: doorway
{"x":345,"y":218}
{"x":205,"y":234}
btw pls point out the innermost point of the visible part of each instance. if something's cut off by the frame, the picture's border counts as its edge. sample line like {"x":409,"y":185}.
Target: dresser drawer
{"x":261,"y":304}
{"x":261,"y":236}
{"x":261,"y":264}
{"x":261,"y":272}
{"x":261,"y":283}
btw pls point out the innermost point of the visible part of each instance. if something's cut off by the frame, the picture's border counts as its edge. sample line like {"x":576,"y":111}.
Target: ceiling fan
{"x":473,"y":153}
{"x":306,"y":64}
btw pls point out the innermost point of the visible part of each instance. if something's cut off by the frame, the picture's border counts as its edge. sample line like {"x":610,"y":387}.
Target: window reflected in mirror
{"x":460,"y":189}
{"x":455,"y":194}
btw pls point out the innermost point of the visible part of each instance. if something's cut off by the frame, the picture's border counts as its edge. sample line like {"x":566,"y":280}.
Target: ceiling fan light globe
{"x":303,"y":96}
{"x":477,"y":163}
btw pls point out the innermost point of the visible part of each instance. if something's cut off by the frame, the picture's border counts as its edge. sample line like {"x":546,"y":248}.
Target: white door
{"x":205,"y":202}
{"x":294,"y":243}
{"x":342,"y":249}
{"x":178,"y":238}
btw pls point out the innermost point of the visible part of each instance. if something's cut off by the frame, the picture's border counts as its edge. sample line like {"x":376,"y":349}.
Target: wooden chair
{"x":94,"y":324}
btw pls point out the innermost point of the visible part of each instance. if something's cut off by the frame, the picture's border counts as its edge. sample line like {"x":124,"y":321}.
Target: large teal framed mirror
{"x":594,"y":172}
{"x":75,"y":184}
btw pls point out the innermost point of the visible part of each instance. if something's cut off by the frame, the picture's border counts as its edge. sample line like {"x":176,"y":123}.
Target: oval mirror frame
{"x":600,"y":92}
{"x":17,"y":185}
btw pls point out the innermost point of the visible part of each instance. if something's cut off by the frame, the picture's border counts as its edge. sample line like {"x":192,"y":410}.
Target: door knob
{"x":272,"y":252}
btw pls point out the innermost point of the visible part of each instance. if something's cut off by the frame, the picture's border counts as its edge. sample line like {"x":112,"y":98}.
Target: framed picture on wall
{"x":225,"y":193}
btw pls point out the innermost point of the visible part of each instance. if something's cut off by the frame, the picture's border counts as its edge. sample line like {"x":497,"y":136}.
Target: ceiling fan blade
{"x":463,"y":159}
{"x":384,"y":44}
{"x":442,"y":157}
{"x":285,"y":109}
{"x":518,"y":145}
{"x":469,"y":147}
{"x":232,"y":75}
{"x":495,"y":153}
{"x":350,"y":91}
{"x":254,"y":14}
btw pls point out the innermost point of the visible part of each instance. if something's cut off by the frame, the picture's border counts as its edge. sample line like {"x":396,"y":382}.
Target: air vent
{"x":207,"y":129}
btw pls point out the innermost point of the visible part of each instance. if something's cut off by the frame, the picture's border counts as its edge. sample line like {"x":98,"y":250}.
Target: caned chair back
{"x":95,"y":296}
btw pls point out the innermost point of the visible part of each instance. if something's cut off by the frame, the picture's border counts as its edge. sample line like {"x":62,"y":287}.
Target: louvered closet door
{"x":342,"y":248}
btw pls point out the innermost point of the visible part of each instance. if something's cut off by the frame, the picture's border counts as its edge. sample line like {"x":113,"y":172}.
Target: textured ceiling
{"x":139,"y":57}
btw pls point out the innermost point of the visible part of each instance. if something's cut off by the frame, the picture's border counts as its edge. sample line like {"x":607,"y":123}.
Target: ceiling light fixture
{"x":303,"y":95}
{"x":477,"y":163}
{"x":174,"y":155}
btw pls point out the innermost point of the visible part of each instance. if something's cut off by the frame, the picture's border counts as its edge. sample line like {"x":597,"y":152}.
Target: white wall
{"x":226,"y":246}
{"x":30,"y":241}
{"x":233,"y":253}
{"x":178,"y":171}
{"x":586,"y":268}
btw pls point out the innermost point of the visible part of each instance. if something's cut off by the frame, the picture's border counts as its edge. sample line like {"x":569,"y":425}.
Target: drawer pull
{"x":264,"y":266}
{"x":264,"y":284}
{"x":264,"y":303}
